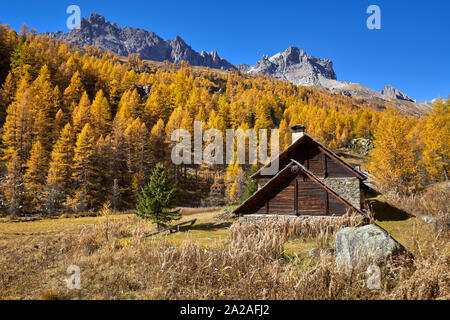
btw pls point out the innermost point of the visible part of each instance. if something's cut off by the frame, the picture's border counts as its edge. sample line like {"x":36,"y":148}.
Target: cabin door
{"x":311,"y":198}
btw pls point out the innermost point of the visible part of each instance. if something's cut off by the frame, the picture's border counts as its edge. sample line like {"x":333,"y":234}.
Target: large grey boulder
{"x":363,"y":246}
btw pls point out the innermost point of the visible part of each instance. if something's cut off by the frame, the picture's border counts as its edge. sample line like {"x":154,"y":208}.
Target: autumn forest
{"x":78,"y":129}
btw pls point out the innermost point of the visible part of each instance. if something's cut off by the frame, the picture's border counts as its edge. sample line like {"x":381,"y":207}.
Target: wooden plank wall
{"x":336,"y":207}
{"x":317,"y":162}
{"x":311,"y":199}
{"x":337,"y":170}
{"x":283,"y":202}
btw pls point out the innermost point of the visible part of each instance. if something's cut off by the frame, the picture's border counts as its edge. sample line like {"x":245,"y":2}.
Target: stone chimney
{"x":298,"y":131}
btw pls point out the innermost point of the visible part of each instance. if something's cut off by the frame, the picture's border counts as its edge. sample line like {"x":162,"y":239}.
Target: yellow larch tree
{"x":138,"y":153}
{"x":436,"y":140}
{"x":100,"y":114}
{"x":35,"y":177}
{"x":12,"y":185}
{"x":85,"y":175}
{"x":73,"y":92}
{"x":81,"y":113}
{"x":393,"y":161}
{"x":17,"y":130}
{"x":159,"y":105}
{"x":44,"y":108}
{"x":157,"y":140}
{"x":59,"y":175}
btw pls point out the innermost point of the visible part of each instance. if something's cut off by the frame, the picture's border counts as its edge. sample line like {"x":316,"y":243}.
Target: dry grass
{"x":417,"y":236}
{"x":215,"y":259}
{"x":250,"y":264}
{"x":432,"y":202}
{"x":304,"y":234}
{"x":185,"y":211}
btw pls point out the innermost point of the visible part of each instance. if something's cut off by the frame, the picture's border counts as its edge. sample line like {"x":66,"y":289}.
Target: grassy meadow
{"x":212,"y":259}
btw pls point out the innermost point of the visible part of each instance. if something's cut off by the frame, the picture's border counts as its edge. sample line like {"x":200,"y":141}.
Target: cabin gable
{"x":311,"y":180}
{"x":316,"y":158}
{"x":297,"y":191}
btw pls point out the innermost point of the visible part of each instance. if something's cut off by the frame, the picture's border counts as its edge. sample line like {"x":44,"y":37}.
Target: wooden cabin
{"x":311,"y":180}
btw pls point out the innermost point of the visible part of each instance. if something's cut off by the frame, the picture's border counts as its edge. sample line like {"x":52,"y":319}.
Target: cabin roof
{"x":285,"y":153}
{"x":262,"y":193}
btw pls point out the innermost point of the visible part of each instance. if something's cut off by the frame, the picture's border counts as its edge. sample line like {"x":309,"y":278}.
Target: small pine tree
{"x":158,"y":199}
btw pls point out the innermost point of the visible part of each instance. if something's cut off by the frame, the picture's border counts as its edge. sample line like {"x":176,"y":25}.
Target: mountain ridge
{"x":293,"y":64}
{"x":96,"y":31}
{"x":296,"y":66}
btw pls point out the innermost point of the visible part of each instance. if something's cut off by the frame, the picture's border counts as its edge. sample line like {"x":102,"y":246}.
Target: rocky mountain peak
{"x":179,"y":40}
{"x":294,"y":65}
{"x":294,"y":54}
{"x":96,"y":31}
{"x":390,"y":92}
{"x":95,"y":18}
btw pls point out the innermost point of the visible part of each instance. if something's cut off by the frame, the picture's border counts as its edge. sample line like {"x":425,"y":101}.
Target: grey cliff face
{"x":243,"y":67}
{"x":391,"y":92}
{"x":296,"y":66}
{"x":96,"y":31}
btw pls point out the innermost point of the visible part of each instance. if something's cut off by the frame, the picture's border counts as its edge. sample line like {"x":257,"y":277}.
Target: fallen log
{"x":172,"y":229}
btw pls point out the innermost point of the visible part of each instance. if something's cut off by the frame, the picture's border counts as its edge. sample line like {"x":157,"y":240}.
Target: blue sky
{"x":410,"y":52}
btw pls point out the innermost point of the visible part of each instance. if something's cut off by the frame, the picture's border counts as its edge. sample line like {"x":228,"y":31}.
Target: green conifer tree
{"x":158,"y":199}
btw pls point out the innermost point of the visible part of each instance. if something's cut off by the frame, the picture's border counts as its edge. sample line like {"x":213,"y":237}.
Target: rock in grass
{"x":428,"y":219}
{"x":363,"y":246}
